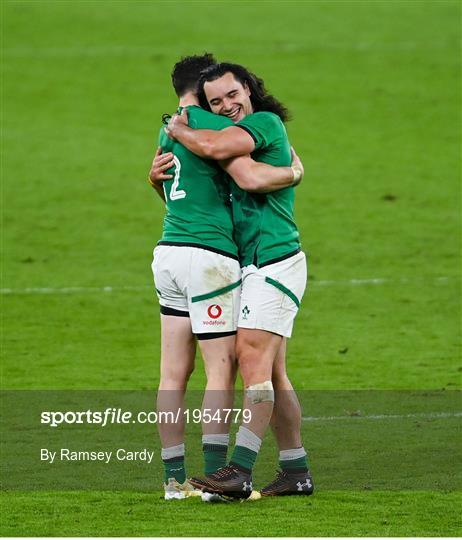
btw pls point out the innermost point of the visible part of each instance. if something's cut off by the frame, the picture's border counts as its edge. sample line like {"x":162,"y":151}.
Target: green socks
{"x":215,"y":448}
{"x":174,"y":469}
{"x":244,"y":457}
{"x":293,"y":459}
{"x":246,"y":449}
{"x":173,"y":460}
{"x":214,"y":457}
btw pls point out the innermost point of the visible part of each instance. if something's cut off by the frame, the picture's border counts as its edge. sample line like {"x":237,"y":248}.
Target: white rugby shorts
{"x":198,"y":283}
{"x":271,"y":295}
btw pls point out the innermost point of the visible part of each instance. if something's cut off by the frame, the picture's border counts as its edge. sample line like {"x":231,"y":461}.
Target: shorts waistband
{"x":200,"y":246}
{"x":279,"y":259}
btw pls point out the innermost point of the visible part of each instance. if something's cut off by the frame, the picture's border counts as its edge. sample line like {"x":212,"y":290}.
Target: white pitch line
{"x":117,"y":288}
{"x":375,"y":281}
{"x":70,"y":290}
{"x":382,"y":416}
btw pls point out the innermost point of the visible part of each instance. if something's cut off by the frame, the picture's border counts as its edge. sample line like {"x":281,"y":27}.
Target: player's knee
{"x":224,"y":378}
{"x":176,"y":380}
{"x":221,"y":370}
{"x":253,"y":366}
{"x":246,"y":353}
{"x":247,"y":345}
{"x":247,"y":367}
{"x":220,"y":383}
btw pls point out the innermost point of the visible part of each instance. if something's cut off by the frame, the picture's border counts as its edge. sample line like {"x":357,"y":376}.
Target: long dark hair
{"x":259,"y":97}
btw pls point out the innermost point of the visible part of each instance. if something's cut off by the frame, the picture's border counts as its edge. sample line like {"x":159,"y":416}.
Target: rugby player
{"x":197,"y":277}
{"x":273,"y":275}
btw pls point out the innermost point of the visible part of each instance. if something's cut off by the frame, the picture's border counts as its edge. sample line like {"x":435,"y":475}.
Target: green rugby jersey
{"x":198,"y":196}
{"x":264,"y":228}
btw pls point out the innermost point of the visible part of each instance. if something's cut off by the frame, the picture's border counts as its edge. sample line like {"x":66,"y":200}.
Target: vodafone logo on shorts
{"x":214,"y":311}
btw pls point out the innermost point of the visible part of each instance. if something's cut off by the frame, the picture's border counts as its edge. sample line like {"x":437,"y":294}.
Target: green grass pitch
{"x":374,"y":89}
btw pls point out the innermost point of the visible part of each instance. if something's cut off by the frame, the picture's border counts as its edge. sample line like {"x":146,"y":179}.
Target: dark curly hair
{"x":259,"y":97}
{"x":186,"y":72}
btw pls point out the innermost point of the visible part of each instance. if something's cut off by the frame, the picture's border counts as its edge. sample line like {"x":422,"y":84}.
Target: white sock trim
{"x":292,"y":453}
{"x":216,"y":438}
{"x":248,"y":439}
{"x":173,"y":451}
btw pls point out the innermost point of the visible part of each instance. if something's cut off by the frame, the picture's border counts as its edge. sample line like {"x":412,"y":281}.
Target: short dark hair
{"x":186,"y":72}
{"x":259,"y":97}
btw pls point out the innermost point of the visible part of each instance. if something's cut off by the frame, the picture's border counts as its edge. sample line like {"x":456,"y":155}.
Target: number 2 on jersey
{"x":176,"y":193}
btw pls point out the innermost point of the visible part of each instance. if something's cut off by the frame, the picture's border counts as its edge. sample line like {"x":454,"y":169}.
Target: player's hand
{"x":160,"y":164}
{"x":176,"y":123}
{"x":297,"y":167}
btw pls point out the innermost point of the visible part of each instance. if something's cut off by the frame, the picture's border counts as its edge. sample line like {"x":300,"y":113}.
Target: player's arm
{"x":258,"y":177}
{"x":207,"y":143}
{"x":157,"y":175}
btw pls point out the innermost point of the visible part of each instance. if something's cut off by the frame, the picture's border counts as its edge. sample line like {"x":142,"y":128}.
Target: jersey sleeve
{"x":164,"y":142}
{"x":263,"y":127}
{"x":200,"y":119}
{"x":160,"y":138}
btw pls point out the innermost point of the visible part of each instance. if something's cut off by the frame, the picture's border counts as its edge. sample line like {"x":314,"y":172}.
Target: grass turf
{"x":374,"y":90}
{"x":326,"y":514}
